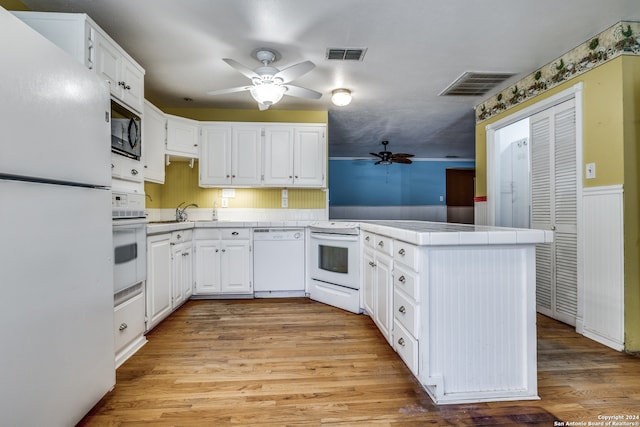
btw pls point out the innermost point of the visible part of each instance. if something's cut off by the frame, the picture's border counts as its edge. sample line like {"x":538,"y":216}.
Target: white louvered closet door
{"x":554,"y":207}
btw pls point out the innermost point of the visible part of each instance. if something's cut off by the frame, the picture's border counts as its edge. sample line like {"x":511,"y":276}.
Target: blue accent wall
{"x":361,"y":183}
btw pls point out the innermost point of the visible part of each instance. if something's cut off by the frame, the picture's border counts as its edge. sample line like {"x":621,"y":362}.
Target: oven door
{"x":129,"y":250}
{"x":335,"y":259}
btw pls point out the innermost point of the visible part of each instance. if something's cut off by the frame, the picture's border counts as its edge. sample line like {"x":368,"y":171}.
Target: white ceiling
{"x":416,"y":48}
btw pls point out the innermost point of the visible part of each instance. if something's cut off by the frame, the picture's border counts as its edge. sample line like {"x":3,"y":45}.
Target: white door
{"x":554,"y":197}
{"x":246,"y":155}
{"x":310,"y":152}
{"x":158,"y":285}
{"x":207,"y":266}
{"x":215,"y":156}
{"x":368,"y":278}
{"x":235,"y":267}
{"x":383,"y":295}
{"x":278,"y":156}
{"x":108,"y":64}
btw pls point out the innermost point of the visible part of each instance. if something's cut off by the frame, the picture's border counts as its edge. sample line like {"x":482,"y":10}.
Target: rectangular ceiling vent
{"x":473,"y":83}
{"x":346,"y":54}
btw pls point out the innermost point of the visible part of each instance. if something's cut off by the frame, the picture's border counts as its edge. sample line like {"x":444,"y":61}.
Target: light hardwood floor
{"x":296,"y":362}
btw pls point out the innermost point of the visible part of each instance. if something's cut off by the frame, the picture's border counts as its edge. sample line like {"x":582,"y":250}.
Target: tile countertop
{"x":167,"y":227}
{"x":426,"y":233}
{"x":423,"y":233}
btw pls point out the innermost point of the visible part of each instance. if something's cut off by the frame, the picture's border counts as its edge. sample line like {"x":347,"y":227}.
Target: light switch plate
{"x":285,"y":193}
{"x":590,"y":170}
{"x":225,"y":202}
{"x":229,"y":193}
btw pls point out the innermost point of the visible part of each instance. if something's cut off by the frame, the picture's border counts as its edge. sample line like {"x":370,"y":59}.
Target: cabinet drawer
{"x":128,"y":322}
{"x":369,"y":239}
{"x":384,"y":244}
{"x":407,"y":281}
{"x":406,"y":312}
{"x":207,"y":233}
{"x":235,"y":233}
{"x":181,"y":236}
{"x":406,"y":346}
{"x":406,"y":253}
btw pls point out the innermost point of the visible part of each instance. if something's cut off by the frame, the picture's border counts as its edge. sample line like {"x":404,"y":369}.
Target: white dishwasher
{"x":278,"y":262}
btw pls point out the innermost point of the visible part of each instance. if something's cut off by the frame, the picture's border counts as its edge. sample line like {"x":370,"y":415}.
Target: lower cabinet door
{"x":406,"y":346}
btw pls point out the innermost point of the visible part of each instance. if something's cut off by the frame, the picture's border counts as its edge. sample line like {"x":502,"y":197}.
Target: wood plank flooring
{"x":296,"y":362}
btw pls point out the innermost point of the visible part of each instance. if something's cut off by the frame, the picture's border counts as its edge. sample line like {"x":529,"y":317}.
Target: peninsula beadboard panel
{"x":604,"y":265}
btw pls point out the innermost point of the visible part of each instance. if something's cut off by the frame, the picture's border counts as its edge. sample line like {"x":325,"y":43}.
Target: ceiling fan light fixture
{"x":341,"y":97}
{"x":267,"y":94}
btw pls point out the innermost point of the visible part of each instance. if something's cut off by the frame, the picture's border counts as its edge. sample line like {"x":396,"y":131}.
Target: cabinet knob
{"x":372,"y":264}
{"x":217,"y":250}
{"x":367,"y":238}
{"x":224,"y":250}
{"x":381,"y":243}
{"x":235,"y":233}
{"x":401,"y":252}
{"x":134,"y":172}
{"x":123,"y":326}
{"x":227,"y":176}
{"x":401,"y":341}
{"x":402,"y":279}
{"x":402,"y":309}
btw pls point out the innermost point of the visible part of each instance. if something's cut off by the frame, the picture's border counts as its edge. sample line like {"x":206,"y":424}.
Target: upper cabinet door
{"x":246,"y":155}
{"x":278,"y":156}
{"x":154,"y":136}
{"x":310,"y":155}
{"x":183,"y":136}
{"x":215,"y":156}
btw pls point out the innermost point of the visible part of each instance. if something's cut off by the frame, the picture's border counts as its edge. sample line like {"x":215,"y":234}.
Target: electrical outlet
{"x":591,"y":170}
{"x":442,"y":198}
{"x":285,"y":202}
{"x":225,"y":202}
{"x":285,"y":193}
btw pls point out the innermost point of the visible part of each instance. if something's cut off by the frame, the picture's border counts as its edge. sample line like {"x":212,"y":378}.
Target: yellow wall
{"x":13,"y":5}
{"x":611,"y":135}
{"x":631,"y":135}
{"x":181,"y":182}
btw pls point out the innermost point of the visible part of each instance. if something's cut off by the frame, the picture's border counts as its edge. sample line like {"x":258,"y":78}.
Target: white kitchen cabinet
{"x":129,"y":328}
{"x":223,"y":261}
{"x":154,"y":137}
{"x":181,"y":267}
{"x":231,"y":155}
{"x":159,"y":279}
{"x":406,"y":302}
{"x":183,"y":137}
{"x":378,"y":282}
{"x":124,"y":76}
{"x":127,"y":169}
{"x":87,"y":43}
{"x":295,"y":155}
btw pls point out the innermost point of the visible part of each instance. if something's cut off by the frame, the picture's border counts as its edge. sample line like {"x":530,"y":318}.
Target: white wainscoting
{"x":603,"y":239}
{"x":436,"y":213}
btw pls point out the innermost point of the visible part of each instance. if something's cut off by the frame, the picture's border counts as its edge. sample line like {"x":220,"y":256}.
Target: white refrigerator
{"x":56,"y":255}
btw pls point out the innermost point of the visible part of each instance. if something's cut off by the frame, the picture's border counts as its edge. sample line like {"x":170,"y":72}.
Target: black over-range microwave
{"x":125,"y":132}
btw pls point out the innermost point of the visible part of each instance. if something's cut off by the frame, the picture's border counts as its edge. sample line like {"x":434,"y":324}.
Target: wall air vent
{"x":474,"y":83}
{"x":346,"y":54}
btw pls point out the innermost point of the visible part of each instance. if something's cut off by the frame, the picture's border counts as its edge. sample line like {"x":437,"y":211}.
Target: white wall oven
{"x":129,"y":245}
{"x":334,"y":264}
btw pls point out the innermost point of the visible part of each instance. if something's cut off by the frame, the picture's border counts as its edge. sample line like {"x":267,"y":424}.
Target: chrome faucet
{"x":181,"y":213}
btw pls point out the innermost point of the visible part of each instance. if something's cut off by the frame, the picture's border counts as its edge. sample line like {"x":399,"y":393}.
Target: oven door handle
{"x":334,"y":237}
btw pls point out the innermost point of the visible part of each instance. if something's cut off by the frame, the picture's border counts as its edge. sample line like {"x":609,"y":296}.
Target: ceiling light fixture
{"x":341,"y":97}
{"x":268,"y":93}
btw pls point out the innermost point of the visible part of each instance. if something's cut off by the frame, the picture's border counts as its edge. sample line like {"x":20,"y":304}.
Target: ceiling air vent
{"x":346,"y":54}
{"x":472,"y":83}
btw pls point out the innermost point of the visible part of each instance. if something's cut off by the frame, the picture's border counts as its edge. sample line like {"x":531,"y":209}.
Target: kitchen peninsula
{"x":457,"y":302}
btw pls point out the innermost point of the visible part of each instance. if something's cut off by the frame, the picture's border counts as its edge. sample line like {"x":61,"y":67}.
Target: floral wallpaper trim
{"x":621,"y":38}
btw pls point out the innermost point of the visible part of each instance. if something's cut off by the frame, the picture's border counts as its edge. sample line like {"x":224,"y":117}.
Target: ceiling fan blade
{"x":377,"y":155}
{"x":246,"y":71}
{"x":302,"y":92}
{"x":229,"y":90}
{"x":263,"y":107}
{"x":295,"y":71}
{"x":402,"y":155}
{"x":402,"y":160}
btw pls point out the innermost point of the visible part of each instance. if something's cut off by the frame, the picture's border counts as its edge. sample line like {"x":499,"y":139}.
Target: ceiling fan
{"x":387,"y":157}
{"x":268,"y":83}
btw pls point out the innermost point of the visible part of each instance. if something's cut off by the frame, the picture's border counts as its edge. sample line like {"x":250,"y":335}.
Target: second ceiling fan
{"x":269,"y":84}
{"x":387,"y":157}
